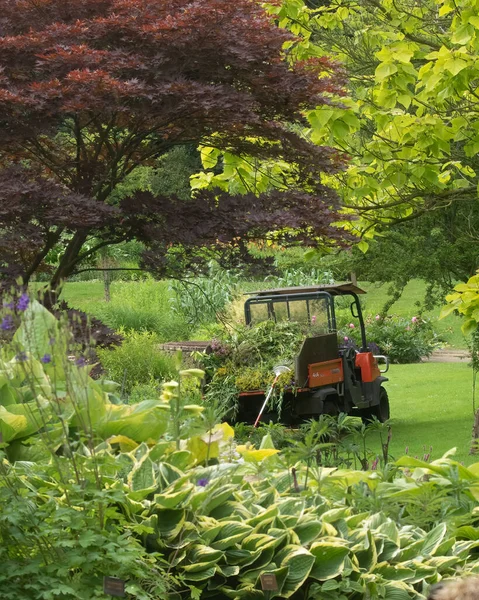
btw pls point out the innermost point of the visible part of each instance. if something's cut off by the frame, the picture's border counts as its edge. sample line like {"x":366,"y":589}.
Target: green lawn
{"x":431,"y":405}
{"x":84,"y":294}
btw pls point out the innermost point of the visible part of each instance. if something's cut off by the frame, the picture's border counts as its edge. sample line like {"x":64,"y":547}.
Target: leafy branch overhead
{"x":409,"y":124}
{"x":92,"y":91}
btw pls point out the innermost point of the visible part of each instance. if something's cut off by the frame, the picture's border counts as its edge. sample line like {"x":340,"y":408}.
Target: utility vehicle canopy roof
{"x":336,"y":289}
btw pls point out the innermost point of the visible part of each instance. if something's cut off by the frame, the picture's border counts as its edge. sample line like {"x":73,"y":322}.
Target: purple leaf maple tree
{"x":91,"y":90}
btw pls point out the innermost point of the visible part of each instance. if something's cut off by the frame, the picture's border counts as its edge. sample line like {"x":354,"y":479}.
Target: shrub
{"x":137,"y":361}
{"x":61,"y":543}
{"x":403,"y":340}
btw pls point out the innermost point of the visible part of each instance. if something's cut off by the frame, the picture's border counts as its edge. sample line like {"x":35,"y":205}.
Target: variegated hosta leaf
{"x":142,"y":479}
{"x":329,"y":559}
{"x":230,"y":534}
{"x":299,"y":562}
{"x":173,"y":499}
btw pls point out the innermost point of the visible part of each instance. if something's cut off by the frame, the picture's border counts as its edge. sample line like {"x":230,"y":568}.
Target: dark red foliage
{"x":92,"y":89}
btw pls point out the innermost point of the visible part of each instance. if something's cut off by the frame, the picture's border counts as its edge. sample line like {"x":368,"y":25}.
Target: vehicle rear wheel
{"x":380,"y":411}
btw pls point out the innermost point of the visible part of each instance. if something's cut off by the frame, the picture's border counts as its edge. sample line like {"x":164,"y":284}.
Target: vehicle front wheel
{"x":380,"y":411}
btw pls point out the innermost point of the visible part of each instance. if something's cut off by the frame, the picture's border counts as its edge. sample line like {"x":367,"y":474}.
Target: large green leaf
{"x":395,"y":572}
{"x":203,"y":575}
{"x":38,"y":327}
{"x":199,"y":553}
{"x":299,"y":562}
{"x":89,"y":407}
{"x":398,"y":591}
{"x":173,"y":499}
{"x":170,"y":522}
{"x":141,"y":422}
{"x":433,"y":539}
{"x":390,"y":531}
{"x":265,"y":516}
{"x":7,"y":395}
{"x":260,"y":541}
{"x":468,"y":532}
{"x":142,"y":478}
{"x":215,"y":497}
{"x":308,"y":531}
{"x":230,"y":534}
{"x":368,"y":557}
{"x":19,"y":421}
{"x":329,"y":559}
{"x":241,"y":557}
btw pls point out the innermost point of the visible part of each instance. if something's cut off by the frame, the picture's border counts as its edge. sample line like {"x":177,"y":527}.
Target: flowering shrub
{"x":403,"y":340}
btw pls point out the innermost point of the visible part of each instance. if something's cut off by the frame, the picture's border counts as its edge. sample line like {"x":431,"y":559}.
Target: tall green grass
{"x":134,"y":306}
{"x":137,"y":362}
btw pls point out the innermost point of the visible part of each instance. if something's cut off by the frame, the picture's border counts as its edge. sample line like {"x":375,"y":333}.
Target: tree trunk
{"x":68,"y":260}
{"x":475,"y":434}
{"x":106,"y":284}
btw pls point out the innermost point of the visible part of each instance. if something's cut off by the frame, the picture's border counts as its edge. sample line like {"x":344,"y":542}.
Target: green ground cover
{"x":431,"y":405}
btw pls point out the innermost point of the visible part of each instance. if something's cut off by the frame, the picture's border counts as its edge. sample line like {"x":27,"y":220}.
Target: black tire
{"x":380,"y":411}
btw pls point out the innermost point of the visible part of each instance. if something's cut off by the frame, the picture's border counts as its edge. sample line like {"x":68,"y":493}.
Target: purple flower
{"x":202,"y":482}
{"x":80,"y":361}
{"x":46,"y":358}
{"x":9,"y":305}
{"x":414,"y":320}
{"x":352,"y":326}
{"x":313,"y":320}
{"x":23,"y":302}
{"x":7,"y":323}
{"x":378,"y":317}
{"x":346,"y":338}
{"x":21,"y":357}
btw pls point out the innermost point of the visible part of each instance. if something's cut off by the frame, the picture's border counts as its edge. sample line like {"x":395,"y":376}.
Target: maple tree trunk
{"x":68,"y":260}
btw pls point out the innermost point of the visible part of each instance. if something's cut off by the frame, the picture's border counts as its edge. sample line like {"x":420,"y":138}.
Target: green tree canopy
{"x":410,"y":122}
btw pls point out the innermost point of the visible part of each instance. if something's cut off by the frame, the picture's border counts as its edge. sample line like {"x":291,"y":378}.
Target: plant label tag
{"x":114,"y":586}
{"x":268,"y":582}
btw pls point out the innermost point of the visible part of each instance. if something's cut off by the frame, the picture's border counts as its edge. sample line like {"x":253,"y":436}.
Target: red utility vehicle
{"x":331,"y":376}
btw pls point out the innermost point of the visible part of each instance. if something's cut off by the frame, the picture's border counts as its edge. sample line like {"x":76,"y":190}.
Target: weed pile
{"x":245,"y":360}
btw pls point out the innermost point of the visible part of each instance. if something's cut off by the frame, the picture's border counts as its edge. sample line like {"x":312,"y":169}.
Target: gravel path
{"x":448,"y":355}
